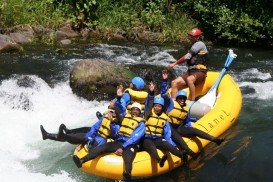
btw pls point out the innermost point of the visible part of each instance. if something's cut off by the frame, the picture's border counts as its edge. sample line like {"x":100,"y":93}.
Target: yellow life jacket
{"x":104,"y":129}
{"x":129,"y":124}
{"x":155,"y":124}
{"x":136,"y":96}
{"x":178,"y":114}
{"x":198,"y":67}
{"x":198,"y":62}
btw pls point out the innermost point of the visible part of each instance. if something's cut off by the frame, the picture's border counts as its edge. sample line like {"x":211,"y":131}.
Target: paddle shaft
{"x":210,"y":97}
{"x":228,"y":62}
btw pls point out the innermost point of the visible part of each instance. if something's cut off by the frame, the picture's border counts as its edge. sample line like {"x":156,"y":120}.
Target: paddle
{"x":210,"y":98}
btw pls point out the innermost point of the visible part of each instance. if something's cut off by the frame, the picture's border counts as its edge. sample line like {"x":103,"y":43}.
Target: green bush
{"x":248,"y":21}
{"x":15,"y":12}
{"x":176,"y":28}
{"x":80,"y":11}
{"x":234,"y":21}
{"x":153,"y":15}
{"x":122,"y":17}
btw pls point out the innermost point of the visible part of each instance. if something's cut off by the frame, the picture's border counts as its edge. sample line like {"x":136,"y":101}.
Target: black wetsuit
{"x":190,"y":132}
{"x":128,"y":153}
{"x":150,"y":145}
{"x":76,"y":136}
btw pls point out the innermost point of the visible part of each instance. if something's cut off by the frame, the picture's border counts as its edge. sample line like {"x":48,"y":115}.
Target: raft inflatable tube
{"x":218,"y":120}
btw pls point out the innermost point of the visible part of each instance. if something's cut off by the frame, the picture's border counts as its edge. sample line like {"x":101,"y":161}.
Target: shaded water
{"x":34,"y":90}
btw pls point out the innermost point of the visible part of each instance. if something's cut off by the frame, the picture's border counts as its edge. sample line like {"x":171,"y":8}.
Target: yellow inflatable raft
{"x":225,"y":112}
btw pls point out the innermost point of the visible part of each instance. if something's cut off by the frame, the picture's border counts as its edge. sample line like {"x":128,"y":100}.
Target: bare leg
{"x":190,"y":82}
{"x":177,"y":84}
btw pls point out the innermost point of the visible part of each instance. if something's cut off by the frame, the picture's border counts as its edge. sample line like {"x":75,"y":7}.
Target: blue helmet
{"x":181,"y":93}
{"x":159,"y":100}
{"x":138,"y":82}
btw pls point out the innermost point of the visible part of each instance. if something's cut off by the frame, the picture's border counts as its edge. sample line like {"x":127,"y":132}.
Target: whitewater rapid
{"x":28,"y":101}
{"x":23,"y":108}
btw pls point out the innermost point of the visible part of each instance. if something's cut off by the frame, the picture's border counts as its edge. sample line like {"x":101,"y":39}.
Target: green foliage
{"x":244,"y":21}
{"x":14,"y":12}
{"x":80,"y":10}
{"x":153,"y":15}
{"x":229,"y":23}
{"x":248,"y":21}
{"x":106,"y":15}
{"x":177,"y":27}
{"x":122,"y":17}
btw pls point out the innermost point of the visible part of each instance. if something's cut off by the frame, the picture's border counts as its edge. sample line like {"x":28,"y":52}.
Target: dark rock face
{"x":66,"y":34}
{"x":19,"y":38}
{"x":97,"y":79}
{"x":7,"y":44}
{"x":151,"y":73}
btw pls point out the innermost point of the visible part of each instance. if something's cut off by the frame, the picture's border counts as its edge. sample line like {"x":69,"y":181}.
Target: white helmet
{"x":137,"y":105}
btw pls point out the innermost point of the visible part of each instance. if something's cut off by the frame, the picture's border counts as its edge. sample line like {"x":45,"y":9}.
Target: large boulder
{"x":97,"y":79}
{"x":19,"y":38}
{"x":151,"y":73}
{"x":7,"y":44}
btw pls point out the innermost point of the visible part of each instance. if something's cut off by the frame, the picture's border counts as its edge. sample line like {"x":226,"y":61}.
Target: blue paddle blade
{"x":210,"y":97}
{"x":228,"y":62}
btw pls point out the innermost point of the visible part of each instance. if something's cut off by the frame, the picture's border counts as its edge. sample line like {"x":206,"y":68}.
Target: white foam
{"x":129,"y":55}
{"x":22,"y":110}
{"x":125,"y":58}
{"x":26,"y":176}
{"x":254,"y":73}
{"x":160,"y":58}
{"x":112,"y":50}
{"x":257,"y":80}
{"x":263,"y":90}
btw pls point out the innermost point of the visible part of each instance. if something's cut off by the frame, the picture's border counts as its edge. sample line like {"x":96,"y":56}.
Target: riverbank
{"x":11,"y":38}
{"x":237,"y":24}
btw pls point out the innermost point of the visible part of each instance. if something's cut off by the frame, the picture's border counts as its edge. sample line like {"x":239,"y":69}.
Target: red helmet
{"x":196,"y":32}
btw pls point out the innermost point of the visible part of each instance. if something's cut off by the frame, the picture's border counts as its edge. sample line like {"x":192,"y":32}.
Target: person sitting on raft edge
{"x":93,"y":136}
{"x":180,"y":119}
{"x":158,"y":130}
{"x":131,"y":130}
{"x":134,"y":93}
{"x":197,"y":65}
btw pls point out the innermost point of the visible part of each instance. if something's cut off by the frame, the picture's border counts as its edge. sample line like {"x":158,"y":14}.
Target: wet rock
{"x":6,"y":38}
{"x":19,"y":38}
{"x":25,"y":31}
{"x":97,"y":79}
{"x":132,"y":34}
{"x":25,"y":81}
{"x":7,"y":44}
{"x":65,"y":42}
{"x":85,"y":33}
{"x":147,"y":36}
{"x":60,"y":35}
{"x":66,"y":32}
{"x":118,"y":37}
{"x":95,"y":34}
{"x":151,"y":73}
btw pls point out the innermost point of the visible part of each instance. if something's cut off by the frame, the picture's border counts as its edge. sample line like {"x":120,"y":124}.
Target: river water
{"x":34,"y":90}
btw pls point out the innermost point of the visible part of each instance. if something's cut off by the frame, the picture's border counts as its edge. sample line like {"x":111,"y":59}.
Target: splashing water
{"x":26,"y":102}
